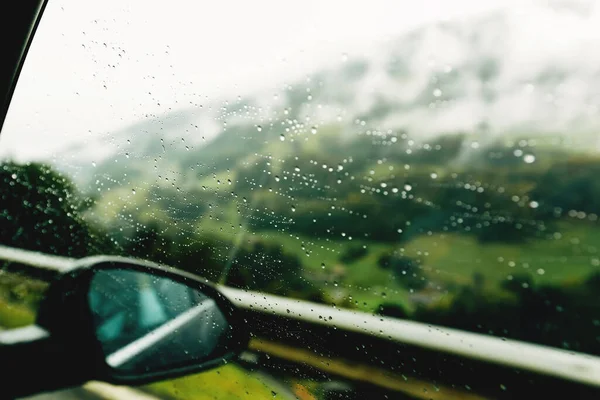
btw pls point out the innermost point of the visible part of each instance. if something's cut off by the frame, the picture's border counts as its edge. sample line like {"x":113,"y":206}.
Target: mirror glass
{"x":150,"y":323}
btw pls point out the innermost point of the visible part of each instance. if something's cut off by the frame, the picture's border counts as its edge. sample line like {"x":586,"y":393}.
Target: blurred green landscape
{"x":478,"y":238}
{"x":19,"y":299}
{"x":453,"y":191}
{"x":447,"y":175}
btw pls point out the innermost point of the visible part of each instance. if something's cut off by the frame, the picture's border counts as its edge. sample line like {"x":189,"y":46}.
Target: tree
{"x":353,"y":253}
{"x":266,"y":267}
{"x":392,"y":310}
{"x":565,"y":317}
{"x":405,"y":269}
{"x":157,"y":243}
{"x":570,"y":185}
{"x":41,"y":210}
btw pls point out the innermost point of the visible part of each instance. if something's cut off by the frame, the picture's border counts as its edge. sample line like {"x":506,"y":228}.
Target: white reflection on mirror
{"x":147,"y":323}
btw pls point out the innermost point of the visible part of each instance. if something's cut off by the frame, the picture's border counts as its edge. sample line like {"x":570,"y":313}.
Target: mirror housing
{"x":169,"y":323}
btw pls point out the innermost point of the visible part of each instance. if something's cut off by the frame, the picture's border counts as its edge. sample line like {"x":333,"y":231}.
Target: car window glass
{"x":433,"y":163}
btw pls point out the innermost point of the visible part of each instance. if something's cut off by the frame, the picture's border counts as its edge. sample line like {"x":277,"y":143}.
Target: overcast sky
{"x":97,"y":66}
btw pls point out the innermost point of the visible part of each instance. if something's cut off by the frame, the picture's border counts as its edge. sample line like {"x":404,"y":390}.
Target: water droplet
{"x":433,"y":175}
{"x":133,"y":191}
{"x":276,"y":178}
{"x":437,"y":92}
{"x":313,"y":130}
{"x":322,"y":265}
{"x":529,"y":158}
{"x":93,"y":163}
{"x":293,"y":208}
{"x":407,"y":187}
{"x":533,"y":204}
{"x":281,"y":137}
{"x":259,"y":128}
{"x":297,"y":169}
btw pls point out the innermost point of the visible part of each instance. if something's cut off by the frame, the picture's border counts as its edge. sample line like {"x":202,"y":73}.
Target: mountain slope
{"x":527,"y":70}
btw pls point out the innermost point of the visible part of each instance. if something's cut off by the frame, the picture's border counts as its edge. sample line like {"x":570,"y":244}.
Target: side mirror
{"x":152,"y":325}
{"x":129,"y":322}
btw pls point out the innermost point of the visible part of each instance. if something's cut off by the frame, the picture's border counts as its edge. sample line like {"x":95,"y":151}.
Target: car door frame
{"x":18,"y":23}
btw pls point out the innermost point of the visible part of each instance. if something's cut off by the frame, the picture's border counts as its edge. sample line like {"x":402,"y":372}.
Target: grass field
{"x":15,"y":315}
{"x":456,"y":257}
{"x":227,"y":382}
{"x":449,"y":258}
{"x":19,"y":298}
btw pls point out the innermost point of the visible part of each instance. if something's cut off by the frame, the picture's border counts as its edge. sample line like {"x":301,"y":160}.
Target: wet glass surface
{"x":434,"y":163}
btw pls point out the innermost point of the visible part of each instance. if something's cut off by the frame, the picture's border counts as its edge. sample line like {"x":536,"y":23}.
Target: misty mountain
{"x":527,"y":70}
